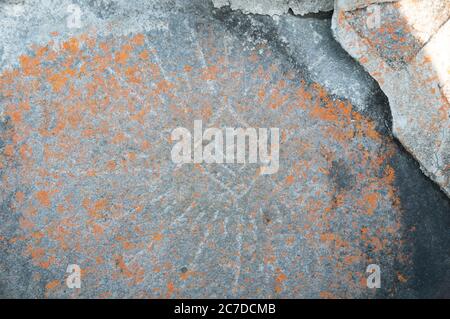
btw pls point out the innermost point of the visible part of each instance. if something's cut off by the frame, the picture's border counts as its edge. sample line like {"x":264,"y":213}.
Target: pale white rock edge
{"x":349,"y":5}
{"x":276,"y":7}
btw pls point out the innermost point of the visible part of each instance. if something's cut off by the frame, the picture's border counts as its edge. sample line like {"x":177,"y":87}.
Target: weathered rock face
{"x":276,"y":7}
{"x":389,"y":37}
{"x":87,"y":177}
{"x":405,"y":46}
{"x":348,"y":5}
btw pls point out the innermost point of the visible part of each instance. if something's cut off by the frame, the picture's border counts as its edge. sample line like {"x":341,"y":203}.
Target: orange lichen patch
{"x":60,"y":208}
{"x":20,"y":197}
{"x":371,"y":201}
{"x":16,"y":117}
{"x":333,"y":238}
{"x":163,"y":86}
{"x":36,"y":253}
{"x":24,"y":106}
{"x":132,"y":74}
{"x":25,"y":223}
{"x":327,"y":237}
{"x":139,"y":209}
{"x":170,"y":289}
{"x":281,"y":277}
{"x":52,"y":285}
{"x":325,"y":113}
{"x":74,"y":119}
{"x":43,"y":198}
{"x":25,"y":151}
{"x":351,"y":259}
{"x":95,"y":209}
{"x":97,"y":229}
{"x":144,"y":54}
{"x":127,"y":245}
{"x":138,"y":39}
{"x":111,"y":165}
{"x":8,"y":150}
{"x":46,"y":264}
{"x":99,"y":206}
{"x":158,"y":237}
{"x":186,"y":275}
{"x":279,"y":280}
{"x":71,"y":45}
{"x":99,"y":260}
{"x":290,"y":180}
{"x":290,"y":240}
{"x":210,"y":73}
{"x":119,"y":138}
{"x":122,"y":56}
{"x":327,"y":295}
{"x":261,"y":95}
{"x":58,"y":80}
{"x":30,"y":65}
{"x":401,"y":278}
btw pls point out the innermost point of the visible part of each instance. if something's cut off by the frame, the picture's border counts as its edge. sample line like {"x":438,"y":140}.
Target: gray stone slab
{"x":87,"y":177}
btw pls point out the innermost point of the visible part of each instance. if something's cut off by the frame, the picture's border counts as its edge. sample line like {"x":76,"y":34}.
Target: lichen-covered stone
{"x":86,"y":175}
{"x":409,"y":55}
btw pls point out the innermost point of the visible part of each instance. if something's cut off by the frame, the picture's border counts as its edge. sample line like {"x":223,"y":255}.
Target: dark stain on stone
{"x":321,"y":15}
{"x":426,"y":222}
{"x":379,"y":110}
{"x":266,"y":218}
{"x":341,"y":176}
{"x":242,"y":27}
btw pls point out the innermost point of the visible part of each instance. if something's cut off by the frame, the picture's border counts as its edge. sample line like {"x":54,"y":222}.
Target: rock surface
{"x":349,"y":5}
{"x":408,"y":53}
{"x":276,"y":7}
{"x":87,"y":178}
